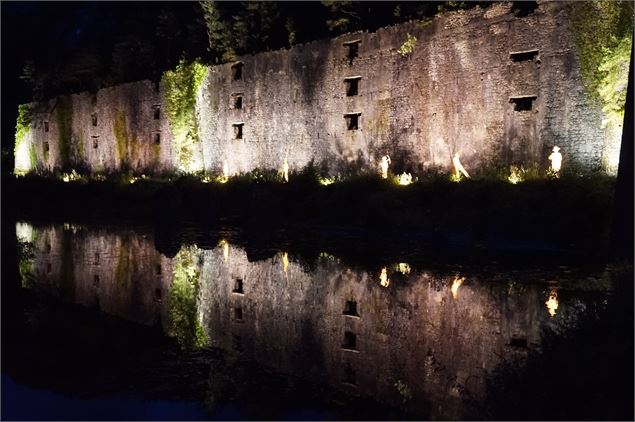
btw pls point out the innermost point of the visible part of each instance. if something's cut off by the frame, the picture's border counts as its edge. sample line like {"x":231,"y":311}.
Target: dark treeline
{"x":71,"y":47}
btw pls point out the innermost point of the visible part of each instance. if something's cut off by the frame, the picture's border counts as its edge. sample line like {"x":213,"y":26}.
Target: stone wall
{"x":463,"y":89}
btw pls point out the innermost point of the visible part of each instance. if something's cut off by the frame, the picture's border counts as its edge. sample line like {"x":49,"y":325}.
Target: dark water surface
{"x":109,"y":323}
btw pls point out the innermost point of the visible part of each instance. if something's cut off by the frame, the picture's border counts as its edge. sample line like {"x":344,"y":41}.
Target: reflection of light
{"x":552,"y":302}
{"x":458,"y":169}
{"x":404,"y":179}
{"x":403,"y":268}
{"x":225,"y":246}
{"x":285,"y":262}
{"x":556,"y":159}
{"x":383,"y":165}
{"x":383,"y":278}
{"x":455,"y":286}
{"x":325,"y":181}
{"x":285,"y":170}
{"x":24,"y":232}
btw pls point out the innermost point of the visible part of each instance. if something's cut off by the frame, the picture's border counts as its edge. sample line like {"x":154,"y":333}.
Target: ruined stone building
{"x":495,"y":88}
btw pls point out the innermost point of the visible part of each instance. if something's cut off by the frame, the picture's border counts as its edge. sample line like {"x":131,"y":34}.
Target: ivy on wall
{"x":180,"y":89}
{"x":26,"y":159}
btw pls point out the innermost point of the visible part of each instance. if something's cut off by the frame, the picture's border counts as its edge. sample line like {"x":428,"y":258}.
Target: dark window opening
{"x":238,"y":286}
{"x":157,"y":294}
{"x":157,"y":269}
{"x":352,"y":86}
{"x":96,"y":280}
{"x":238,"y":130}
{"x":96,"y":258}
{"x":349,"y":375}
{"x":518,"y":342}
{"x":47,"y":247}
{"x":156,"y":112}
{"x":350,"y":341}
{"x":237,"y":71}
{"x":93,"y":117}
{"x":49,"y":267}
{"x":523,"y":56}
{"x":238,"y":101}
{"x":523,"y":103}
{"x":353,"y":50}
{"x":352,"y":121}
{"x":46,"y":147}
{"x":524,"y":8}
{"x":95,"y":141}
{"x":157,"y":86}
{"x":46,"y":126}
{"x":350,"y":308}
{"x":157,"y":138}
{"x":238,"y":314}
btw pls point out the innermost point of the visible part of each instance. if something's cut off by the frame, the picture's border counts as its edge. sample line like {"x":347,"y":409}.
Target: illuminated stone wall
{"x":457,"y":91}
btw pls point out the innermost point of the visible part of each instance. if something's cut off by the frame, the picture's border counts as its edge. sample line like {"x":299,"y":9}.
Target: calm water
{"x":105,"y":326}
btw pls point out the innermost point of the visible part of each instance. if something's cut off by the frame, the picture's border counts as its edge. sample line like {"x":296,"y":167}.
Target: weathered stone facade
{"x":330,"y":323}
{"x":495,"y":88}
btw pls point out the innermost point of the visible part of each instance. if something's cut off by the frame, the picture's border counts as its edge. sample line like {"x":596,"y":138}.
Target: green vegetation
{"x":65,"y":127}
{"x":183,"y":320}
{"x":408,"y":45}
{"x":26,"y":253}
{"x":603,"y":34}
{"x":181,"y":88}
{"x":22,"y":127}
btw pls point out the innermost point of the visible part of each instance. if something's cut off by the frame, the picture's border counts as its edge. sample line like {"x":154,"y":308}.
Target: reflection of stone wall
{"x":452,"y":94}
{"x":413,"y":333}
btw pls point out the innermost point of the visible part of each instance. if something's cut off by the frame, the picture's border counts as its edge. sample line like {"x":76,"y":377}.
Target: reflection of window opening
{"x":238,"y":286}
{"x":238,"y":343}
{"x":96,"y":258}
{"x":522,"y":56}
{"x":47,"y":247}
{"x":95,"y":141}
{"x":157,"y":138}
{"x":238,"y":314}
{"x":46,"y":126}
{"x":238,"y":130}
{"x":353,"y":50}
{"x":156,"y":112}
{"x":349,"y":375}
{"x":523,"y":103}
{"x":157,"y":294}
{"x":350,"y":308}
{"x":49,"y":267}
{"x":93,"y":117}
{"x":352,"y":86}
{"x":350,"y":341}
{"x":237,"y":71}
{"x":352,"y":121}
{"x":157,"y":269}
{"x":518,"y":342}
{"x":96,"y":280}
{"x":237,"y":101}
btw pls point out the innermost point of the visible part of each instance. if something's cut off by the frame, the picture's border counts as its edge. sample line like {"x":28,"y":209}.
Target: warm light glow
{"x":70,"y":177}
{"x":22,"y":158}
{"x":225,"y":177}
{"x":285,"y":170}
{"x":383,"y":278}
{"x":458,"y":168}
{"x":325,"y":181}
{"x":455,"y":286}
{"x":24,"y":232}
{"x":285,"y":262}
{"x":404,"y":179}
{"x":556,"y":161}
{"x":403,"y":268}
{"x":552,"y":302}
{"x":225,"y":247}
{"x":515,"y":175}
{"x":383,"y":165}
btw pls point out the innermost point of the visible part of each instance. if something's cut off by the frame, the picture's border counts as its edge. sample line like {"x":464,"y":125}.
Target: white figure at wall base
{"x":458,"y":167}
{"x":556,"y":160}
{"x":383,"y":165}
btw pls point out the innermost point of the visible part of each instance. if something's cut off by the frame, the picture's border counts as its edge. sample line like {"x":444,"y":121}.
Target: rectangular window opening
{"x":518,"y":342}
{"x":350,"y":308}
{"x":157,"y":294}
{"x":524,"y":103}
{"x":95,"y":141}
{"x":97,"y":258}
{"x":238,"y":314}
{"x":157,"y":269}
{"x":237,"y":71}
{"x":46,"y":126}
{"x":46,"y":147}
{"x":523,"y":56}
{"x":156,"y":112}
{"x":49,"y":267}
{"x":93,"y":117}
{"x":237,"y":101}
{"x":238,"y":130}
{"x":157,"y":138}
{"x":238,"y":286}
{"x":350,"y":341}
{"x":353,"y":50}
{"x":352,"y":121}
{"x":352,"y":86}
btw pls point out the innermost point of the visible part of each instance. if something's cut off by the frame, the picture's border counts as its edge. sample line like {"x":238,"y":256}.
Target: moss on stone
{"x":65,"y":129}
{"x":181,"y":88}
{"x":120,"y":130}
